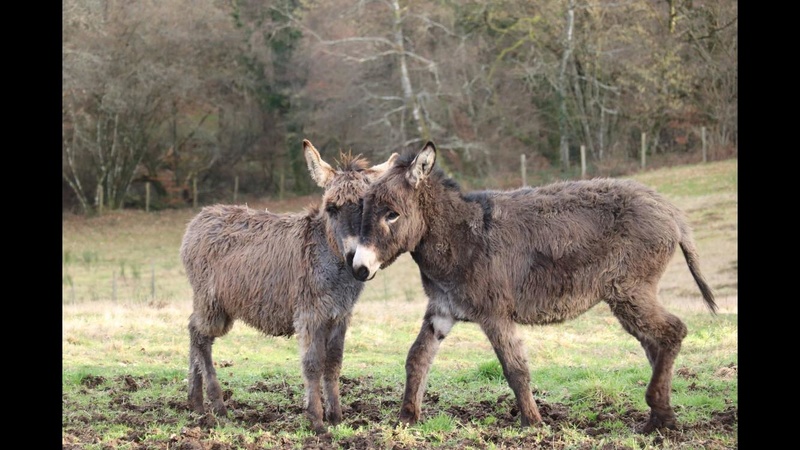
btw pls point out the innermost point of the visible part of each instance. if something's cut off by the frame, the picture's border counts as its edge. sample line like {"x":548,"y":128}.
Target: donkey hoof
{"x":220,"y":409}
{"x":197,"y":407}
{"x":523,"y":423}
{"x":407,"y":419}
{"x":655,"y":423}
{"x":333,"y":418}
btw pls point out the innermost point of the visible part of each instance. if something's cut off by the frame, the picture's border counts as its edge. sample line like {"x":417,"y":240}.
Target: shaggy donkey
{"x":281,"y":274}
{"x":528,"y":256}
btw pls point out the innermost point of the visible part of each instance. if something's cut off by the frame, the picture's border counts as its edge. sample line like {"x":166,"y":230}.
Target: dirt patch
{"x":368,"y":409}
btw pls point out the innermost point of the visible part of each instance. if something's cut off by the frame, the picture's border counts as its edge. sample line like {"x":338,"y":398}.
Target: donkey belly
{"x":551,"y":295}
{"x":257,"y":292}
{"x":550,"y":310}
{"x":271,"y":314}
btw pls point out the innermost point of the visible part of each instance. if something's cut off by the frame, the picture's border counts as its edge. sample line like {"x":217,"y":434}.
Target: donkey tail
{"x":693,"y":261}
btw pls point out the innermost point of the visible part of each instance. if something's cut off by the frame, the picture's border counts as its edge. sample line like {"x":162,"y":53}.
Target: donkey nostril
{"x":349,"y":257}
{"x":361,"y":273}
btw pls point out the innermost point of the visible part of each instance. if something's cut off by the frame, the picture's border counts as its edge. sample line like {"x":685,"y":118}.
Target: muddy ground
{"x":80,"y":430}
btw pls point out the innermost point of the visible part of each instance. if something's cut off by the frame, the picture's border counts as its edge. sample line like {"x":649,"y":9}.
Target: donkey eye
{"x":391,"y":216}
{"x":332,"y":209}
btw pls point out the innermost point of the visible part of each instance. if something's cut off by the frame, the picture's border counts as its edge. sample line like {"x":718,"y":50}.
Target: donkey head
{"x":393,"y":222}
{"x":341,"y":202}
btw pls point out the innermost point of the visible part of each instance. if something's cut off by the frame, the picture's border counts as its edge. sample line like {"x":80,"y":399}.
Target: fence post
{"x":703,"y":136}
{"x":523,"y":169}
{"x":194,"y":192}
{"x":147,"y":197}
{"x":583,"y":161}
{"x":152,"y":281}
{"x":100,"y":199}
{"x":282,"y":178}
{"x":235,"y":188}
{"x":644,"y":148}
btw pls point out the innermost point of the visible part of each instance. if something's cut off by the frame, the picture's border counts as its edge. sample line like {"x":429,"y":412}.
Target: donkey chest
{"x":337,"y":296}
{"x":449,"y":299}
{"x":447,"y":266}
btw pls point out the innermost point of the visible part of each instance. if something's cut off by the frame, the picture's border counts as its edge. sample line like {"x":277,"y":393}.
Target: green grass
{"x":694,"y":180}
{"x":588,"y":367}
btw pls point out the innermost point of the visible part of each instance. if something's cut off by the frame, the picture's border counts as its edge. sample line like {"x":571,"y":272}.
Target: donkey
{"x":530,"y":256}
{"x":281,"y":274}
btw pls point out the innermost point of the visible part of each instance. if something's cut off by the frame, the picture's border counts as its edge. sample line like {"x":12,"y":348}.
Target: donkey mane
{"x":348,"y":162}
{"x":347,"y":165}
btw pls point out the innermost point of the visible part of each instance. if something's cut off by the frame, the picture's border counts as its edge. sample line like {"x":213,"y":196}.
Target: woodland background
{"x":214,"y":97}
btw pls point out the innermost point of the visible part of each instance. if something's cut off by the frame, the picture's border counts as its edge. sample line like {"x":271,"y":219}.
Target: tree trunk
{"x":563,"y":125}
{"x":405,"y":79}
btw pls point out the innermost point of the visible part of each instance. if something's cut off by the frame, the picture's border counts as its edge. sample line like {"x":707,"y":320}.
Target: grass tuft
{"x":491,"y":371}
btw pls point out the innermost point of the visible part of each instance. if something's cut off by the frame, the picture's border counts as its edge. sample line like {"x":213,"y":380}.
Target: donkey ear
{"x":378,"y":169}
{"x":422,"y":165}
{"x":321,"y":171}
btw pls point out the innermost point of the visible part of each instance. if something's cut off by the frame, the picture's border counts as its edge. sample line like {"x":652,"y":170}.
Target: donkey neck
{"x":322,"y":239}
{"x":454,"y":230}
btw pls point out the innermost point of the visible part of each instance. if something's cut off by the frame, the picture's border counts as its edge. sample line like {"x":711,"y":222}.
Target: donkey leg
{"x":200,"y":361}
{"x":333,"y":367}
{"x":435,"y":328}
{"x":510,"y":351}
{"x":660,"y":333}
{"x":312,"y":350}
{"x":195,"y":377}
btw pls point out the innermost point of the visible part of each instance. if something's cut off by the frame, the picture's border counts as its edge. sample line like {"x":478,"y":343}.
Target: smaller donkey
{"x":530,"y":256}
{"x":281,"y":274}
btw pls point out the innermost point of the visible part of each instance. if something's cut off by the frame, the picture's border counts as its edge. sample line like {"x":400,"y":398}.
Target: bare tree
{"x":369,"y":52}
{"x":139,"y":83}
{"x":562,"y":51}
{"x":180,"y":90}
{"x":710,"y":30}
{"x":568,"y":43}
{"x":111,"y":102}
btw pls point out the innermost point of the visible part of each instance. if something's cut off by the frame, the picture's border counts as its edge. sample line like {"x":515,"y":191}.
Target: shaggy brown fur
{"x":529,"y":256}
{"x":281,"y":274}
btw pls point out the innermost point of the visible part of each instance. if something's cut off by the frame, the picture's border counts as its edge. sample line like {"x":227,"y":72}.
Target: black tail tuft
{"x":692,"y":261}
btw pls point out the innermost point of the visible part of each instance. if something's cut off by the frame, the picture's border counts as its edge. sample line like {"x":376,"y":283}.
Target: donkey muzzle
{"x":365,"y":263}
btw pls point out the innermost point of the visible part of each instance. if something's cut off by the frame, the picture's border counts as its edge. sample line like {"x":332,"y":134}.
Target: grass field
{"x":126,"y":301}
